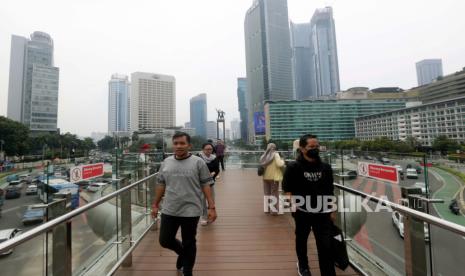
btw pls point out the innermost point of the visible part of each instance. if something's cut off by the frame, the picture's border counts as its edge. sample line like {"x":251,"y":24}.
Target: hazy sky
{"x":201,"y":43}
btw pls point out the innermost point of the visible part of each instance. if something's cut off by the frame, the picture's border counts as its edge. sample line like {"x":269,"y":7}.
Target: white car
{"x":420,"y":185}
{"x":31,"y":190}
{"x":95,"y":187}
{"x":412,"y":173}
{"x":6,"y":235}
{"x":398,"y":222}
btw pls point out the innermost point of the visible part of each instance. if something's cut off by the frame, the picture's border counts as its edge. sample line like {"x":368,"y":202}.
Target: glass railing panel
{"x":447,"y":252}
{"x":29,"y":258}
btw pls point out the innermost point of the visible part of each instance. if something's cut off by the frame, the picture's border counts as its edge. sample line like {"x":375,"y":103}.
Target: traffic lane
{"x":13,"y":210}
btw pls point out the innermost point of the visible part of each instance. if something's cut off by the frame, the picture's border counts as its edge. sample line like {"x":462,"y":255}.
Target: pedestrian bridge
{"x":113,"y":234}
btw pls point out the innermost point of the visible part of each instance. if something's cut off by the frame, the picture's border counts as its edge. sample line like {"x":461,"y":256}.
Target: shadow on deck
{"x":243,"y":241}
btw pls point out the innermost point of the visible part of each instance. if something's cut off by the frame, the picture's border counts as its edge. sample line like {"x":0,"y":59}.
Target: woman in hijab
{"x":272,"y":163}
{"x":214,"y":168}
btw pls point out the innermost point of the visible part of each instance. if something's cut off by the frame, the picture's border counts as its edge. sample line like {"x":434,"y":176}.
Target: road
{"x":380,"y":238}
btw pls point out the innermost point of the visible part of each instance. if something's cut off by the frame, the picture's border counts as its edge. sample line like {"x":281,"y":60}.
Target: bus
{"x":57,"y":185}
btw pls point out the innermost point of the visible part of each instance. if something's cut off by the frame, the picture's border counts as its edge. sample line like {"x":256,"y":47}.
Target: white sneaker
{"x":204,"y":222}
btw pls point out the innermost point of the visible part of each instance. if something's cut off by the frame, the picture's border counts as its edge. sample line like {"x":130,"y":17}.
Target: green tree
{"x":106,"y":144}
{"x":14,"y":136}
{"x":444,"y":144}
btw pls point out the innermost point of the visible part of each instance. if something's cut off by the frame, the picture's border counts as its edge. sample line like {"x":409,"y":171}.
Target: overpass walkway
{"x":243,"y":240}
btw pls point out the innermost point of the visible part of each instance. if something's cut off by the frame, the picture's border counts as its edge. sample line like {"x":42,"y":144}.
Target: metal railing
{"x":122,"y":199}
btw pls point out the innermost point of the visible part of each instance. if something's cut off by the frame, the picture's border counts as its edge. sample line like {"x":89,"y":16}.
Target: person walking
{"x":214,"y":168}
{"x":184,"y":180}
{"x":220,"y":150}
{"x":272,"y":175}
{"x":311,"y":179}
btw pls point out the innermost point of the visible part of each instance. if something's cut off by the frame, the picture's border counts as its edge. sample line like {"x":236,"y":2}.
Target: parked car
{"x":33,"y":214}
{"x":398,"y":222}
{"x":95,"y":187}
{"x":7,"y":234}
{"x":31,"y":190}
{"x":12,"y":192}
{"x":411,"y":173}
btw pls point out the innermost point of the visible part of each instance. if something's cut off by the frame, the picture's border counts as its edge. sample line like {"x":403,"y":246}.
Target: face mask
{"x":313,"y":153}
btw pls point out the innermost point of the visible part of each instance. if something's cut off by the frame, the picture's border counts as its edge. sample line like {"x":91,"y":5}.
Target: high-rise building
{"x":303,"y":68}
{"x":33,"y":83}
{"x":153,"y":101}
{"x":268,"y":56}
{"x":325,"y":61}
{"x":428,"y":70}
{"x":118,"y":103}
{"x":242,"y":103}
{"x":198,"y":112}
{"x":235,"y":129}
{"x":211,"y":130}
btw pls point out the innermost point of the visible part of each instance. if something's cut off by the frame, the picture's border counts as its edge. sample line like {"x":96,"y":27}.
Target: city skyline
{"x":382,"y":53}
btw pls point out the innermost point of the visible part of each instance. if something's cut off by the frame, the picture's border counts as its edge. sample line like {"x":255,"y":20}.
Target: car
{"x":385,"y":161}
{"x":31,"y":190}
{"x":398,"y":222}
{"x":16,"y":183}
{"x":12,"y":192}
{"x":420,"y":185}
{"x":12,"y":177}
{"x":411,"y":173}
{"x":399,"y":168}
{"x":25,"y":178}
{"x":7,"y":234}
{"x":33,"y":214}
{"x":95,"y":187}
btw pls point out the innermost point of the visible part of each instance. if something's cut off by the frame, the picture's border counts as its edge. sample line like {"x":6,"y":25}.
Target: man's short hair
{"x":180,"y":134}
{"x":304,"y":138}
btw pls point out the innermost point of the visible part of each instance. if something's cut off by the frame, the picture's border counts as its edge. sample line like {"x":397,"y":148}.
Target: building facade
{"x":330,"y":120}
{"x":211,"y":130}
{"x":235,"y":129}
{"x":303,"y":68}
{"x":242,"y":104}
{"x":447,"y":87}
{"x":325,"y":60}
{"x":268,"y":56}
{"x":198,"y":114}
{"x":153,"y":101}
{"x":428,"y":70}
{"x":425,"y":122}
{"x":118,"y":103}
{"x":33,"y":83}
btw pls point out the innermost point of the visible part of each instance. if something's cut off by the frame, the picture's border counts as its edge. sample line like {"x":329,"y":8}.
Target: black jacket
{"x":213,"y":166}
{"x":303,"y":178}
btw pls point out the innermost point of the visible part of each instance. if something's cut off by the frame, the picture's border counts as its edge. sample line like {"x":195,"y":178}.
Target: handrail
{"x":9,"y":244}
{"x":444,"y":224}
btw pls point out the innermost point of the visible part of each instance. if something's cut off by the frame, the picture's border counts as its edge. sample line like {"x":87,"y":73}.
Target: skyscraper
{"x":118,"y":103}
{"x":153,"y":101}
{"x":268,"y":56}
{"x":428,"y":70}
{"x":211,"y":130}
{"x":242,"y":103}
{"x":323,"y":32}
{"x":33,"y":83}
{"x":235,"y":129}
{"x":302,"y":65}
{"x":198,"y":112}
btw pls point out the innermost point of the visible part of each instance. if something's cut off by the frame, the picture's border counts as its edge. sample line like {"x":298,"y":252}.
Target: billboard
{"x":259,"y":123}
{"x":377,"y":171}
{"x":84,"y":172}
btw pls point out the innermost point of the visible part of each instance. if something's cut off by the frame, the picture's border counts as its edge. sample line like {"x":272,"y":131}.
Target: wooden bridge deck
{"x":243,"y":241}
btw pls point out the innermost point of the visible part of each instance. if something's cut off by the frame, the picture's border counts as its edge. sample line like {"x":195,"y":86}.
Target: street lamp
{"x":44,"y":147}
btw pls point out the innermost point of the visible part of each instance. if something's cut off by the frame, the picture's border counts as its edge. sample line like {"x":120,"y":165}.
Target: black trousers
{"x":221,"y":161}
{"x":321,"y":225}
{"x":186,"y":248}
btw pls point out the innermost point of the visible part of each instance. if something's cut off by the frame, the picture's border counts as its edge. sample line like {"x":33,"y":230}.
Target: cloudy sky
{"x":201,"y":43}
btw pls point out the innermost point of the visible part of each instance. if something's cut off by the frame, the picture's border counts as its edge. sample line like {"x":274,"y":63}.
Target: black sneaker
{"x":179,"y":262}
{"x":303,"y":271}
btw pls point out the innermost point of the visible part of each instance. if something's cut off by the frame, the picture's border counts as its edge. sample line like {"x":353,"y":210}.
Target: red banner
{"x":377,"y":171}
{"x":86,"y":172}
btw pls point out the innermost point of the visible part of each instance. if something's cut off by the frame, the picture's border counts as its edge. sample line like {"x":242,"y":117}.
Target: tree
{"x":14,"y":135}
{"x":444,"y":144}
{"x":106,"y":144}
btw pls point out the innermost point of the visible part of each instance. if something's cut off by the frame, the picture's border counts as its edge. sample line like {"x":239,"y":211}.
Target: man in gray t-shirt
{"x":184,"y":181}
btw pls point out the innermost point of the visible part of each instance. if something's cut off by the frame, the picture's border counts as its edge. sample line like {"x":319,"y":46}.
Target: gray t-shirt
{"x":183,"y":181}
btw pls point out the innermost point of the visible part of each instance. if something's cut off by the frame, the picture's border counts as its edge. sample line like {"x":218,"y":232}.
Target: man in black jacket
{"x":310,"y":180}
